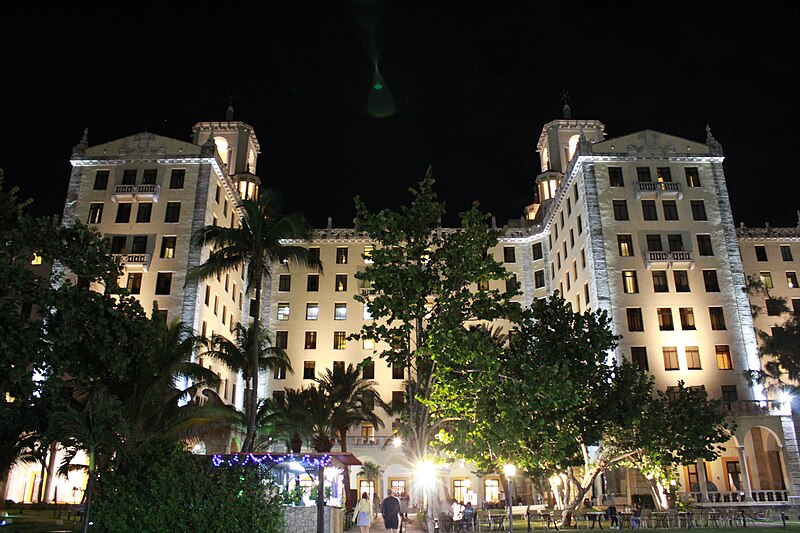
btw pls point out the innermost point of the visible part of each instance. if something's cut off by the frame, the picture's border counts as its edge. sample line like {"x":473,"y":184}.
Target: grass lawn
{"x":36,"y":521}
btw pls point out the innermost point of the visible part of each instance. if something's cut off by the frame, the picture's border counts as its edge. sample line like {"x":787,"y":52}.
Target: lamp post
{"x":509,"y":471}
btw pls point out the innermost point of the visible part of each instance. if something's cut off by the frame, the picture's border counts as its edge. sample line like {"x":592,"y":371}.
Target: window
{"x":511,"y":283}
{"x":571,"y":239}
{"x":129,"y":177}
{"x":163,"y":283}
{"x":704,"y":245}
{"x":95,"y":213}
{"x":681,"y":280}
{"x":149,"y":176}
{"x":208,"y":296}
{"x":625,"y":245}
{"x":339,"y":340}
{"x":629,"y":283}
{"x":173,"y":212}
{"x":766,"y":279}
{"x":692,"y":177}
{"x":118,"y":243}
{"x":796,"y":306}
{"x":687,"y":318}
{"x":665,"y":322}
{"x":620,"y":210}
{"x":562,"y":219}
{"x":670,"y":358}
{"x":398,"y":371}
{"x":791,"y":280}
{"x":312,"y":311}
{"x":508,"y":254}
{"x":368,"y":371}
{"x":340,"y":311}
{"x":123,"y":213}
{"x":635,"y":322}
{"x":538,"y":279}
{"x":310,"y":340}
{"x":649,"y":210}
{"x":341,"y":256}
{"x":101,"y":180}
{"x":761,"y":253}
{"x":398,"y":400}
{"x":168,"y":247}
{"x":537,"y":251}
{"x":673,"y":393}
{"x":217,"y":193}
{"x":575,"y":191}
{"x":729,"y":394}
{"x":216,"y":305}
{"x":786,"y":253}
{"x":675,"y":242}
{"x":643,"y":174}
{"x":366,"y":315}
{"x":314,"y":252}
{"x":312,"y":283}
{"x":139,"y":245}
{"x":660,"y":281}
{"x":177,"y":178}
{"x":698,"y":210}
{"x":615,"y":177}
{"x":717,"y":318}
{"x":774,"y":307}
{"x":579,"y":223}
{"x":225,"y":208}
{"x":308,"y":369}
{"x":143,"y":213}
{"x":279,"y":373}
{"x":664,"y":174}
{"x":483,"y":285}
{"x":654,"y":243}
{"x":639,"y":357}
{"x":710,"y":280}
{"x":693,"y":358}
{"x":285,"y":283}
{"x":723,"y":357}
{"x":135,"y":282}
{"x":670,"y":209}
{"x":341,"y":282}
{"x":282,"y":339}
{"x":283,"y":311}
{"x":586,"y":293}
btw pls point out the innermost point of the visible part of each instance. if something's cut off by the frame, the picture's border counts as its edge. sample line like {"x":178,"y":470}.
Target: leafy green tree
{"x":256,"y":246}
{"x":422,"y":294}
{"x":553,"y":400}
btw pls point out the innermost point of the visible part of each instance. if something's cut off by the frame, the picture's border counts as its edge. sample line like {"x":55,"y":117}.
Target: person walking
{"x":390,"y":509}
{"x":363,"y":512}
{"x":376,"y":505}
{"x":404,"y":505}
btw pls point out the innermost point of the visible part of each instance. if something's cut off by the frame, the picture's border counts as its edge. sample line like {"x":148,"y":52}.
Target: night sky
{"x":471,"y":84}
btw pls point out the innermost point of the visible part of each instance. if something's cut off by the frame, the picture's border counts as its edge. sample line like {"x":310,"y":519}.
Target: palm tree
{"x":254,"y":246}
{"x":236,"y":356}
{"x":352,"y":400}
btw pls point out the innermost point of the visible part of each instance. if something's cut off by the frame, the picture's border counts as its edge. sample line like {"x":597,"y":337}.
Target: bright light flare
{"x":397,"y":442}
{"x":509,"y":470}
{"x":426,"y":474}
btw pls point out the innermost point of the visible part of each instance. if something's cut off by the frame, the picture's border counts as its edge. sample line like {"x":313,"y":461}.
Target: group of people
{"x":613,"y":519}
{"x":393,"y":509}
{"x":455,"y":513}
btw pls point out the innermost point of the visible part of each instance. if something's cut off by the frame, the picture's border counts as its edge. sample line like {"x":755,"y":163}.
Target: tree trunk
{"x":321,"y":499}
{"x":51,"y":474}
{"x":343,"y":446}
{"x":254,"y":358}
{"x":88,"y":494}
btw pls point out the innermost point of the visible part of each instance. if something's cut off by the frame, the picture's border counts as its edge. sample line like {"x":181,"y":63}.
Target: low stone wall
{"x":304,"y":519}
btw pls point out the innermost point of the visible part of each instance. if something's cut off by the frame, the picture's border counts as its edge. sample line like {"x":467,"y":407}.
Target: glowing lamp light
{"x":426,"y":474}
{"x":785,"y":397}
{"x":509,"y":470}
{"x":397,"y":441}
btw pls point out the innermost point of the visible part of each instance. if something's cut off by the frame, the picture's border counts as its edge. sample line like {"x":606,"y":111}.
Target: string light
{"x":267,"y":459}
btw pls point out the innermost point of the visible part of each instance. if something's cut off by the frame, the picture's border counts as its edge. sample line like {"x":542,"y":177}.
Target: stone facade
{"x":304,"y":520}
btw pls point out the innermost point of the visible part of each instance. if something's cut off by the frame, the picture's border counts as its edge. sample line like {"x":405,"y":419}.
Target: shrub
{"x":173,"y":490}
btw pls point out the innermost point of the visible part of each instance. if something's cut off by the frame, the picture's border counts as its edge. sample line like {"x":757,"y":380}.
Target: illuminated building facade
{"x":639,"y":226}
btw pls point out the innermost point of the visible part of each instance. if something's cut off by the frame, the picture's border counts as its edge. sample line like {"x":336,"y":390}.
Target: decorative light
{"x":397,"y":441}
{"x":267,"y":459}
{"x":509,"y":470}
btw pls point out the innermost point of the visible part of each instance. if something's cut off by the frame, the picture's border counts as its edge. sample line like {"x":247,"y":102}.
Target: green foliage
{"x":422,"y":295}
{"x":175,"y":491}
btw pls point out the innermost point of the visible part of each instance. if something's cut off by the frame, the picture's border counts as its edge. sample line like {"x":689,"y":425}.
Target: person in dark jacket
{"x":390,"y":509}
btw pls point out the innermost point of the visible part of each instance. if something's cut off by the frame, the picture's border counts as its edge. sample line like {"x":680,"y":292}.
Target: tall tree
{"x":352,"y":400}
{"x":258,"y":244}
{"x":422,"y":293}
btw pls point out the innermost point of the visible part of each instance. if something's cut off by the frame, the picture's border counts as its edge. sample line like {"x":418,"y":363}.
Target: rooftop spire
{"x":229,"y":112}
{"x":566,"y":109}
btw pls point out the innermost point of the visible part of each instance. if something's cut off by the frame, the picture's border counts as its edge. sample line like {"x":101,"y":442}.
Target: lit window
{"x":135,"y":282}
{"x":312,"y":311}
{"x":339,"y":340}
{"x":664,"y":174}
{"x":283,"y":311}
{"x":723,"y":357}
{"x":791,"y":280}
{"x":341,"y":256}
{"x":692,"y":177}
{"x":368,"y":253}
{"x":341,"y":282}
{"x":168,"y":247}
{"x":687,"y":318}
{"x":693,"y":358}
{"x":483,"y":285}
{"x":37,"y":259}
{"x":665,"y":322}
{"x":670,"y":358}
{"x":311,"y":340}
{"x":629,"y":283}
{"x":368,"y":344}
{"x":367,"y":315}
{"x":95,"y":213}
{"x":766,"y":280}
{"x":340,"y":311}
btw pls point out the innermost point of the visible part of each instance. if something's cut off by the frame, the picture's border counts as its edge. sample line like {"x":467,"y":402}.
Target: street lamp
{"x":509,"y":471}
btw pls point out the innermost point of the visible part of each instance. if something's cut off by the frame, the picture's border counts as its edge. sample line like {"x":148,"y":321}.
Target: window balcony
{"x":651,"y":190}
{"x":135,"y":262}
{"x":665,"y":260}
{"x":136,"y":192}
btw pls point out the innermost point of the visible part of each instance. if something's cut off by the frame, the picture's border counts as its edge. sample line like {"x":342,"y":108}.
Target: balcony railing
{"x":752,"y":407}
{"x":778,"y":497}
{"x":679,"y":260}
{"x":657,"y":189}
{"x":136,"y":192}
{"x":135,"y":262}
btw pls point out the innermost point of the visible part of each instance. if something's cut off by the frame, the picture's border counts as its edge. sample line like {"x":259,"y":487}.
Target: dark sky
{"x":472,"y":84}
